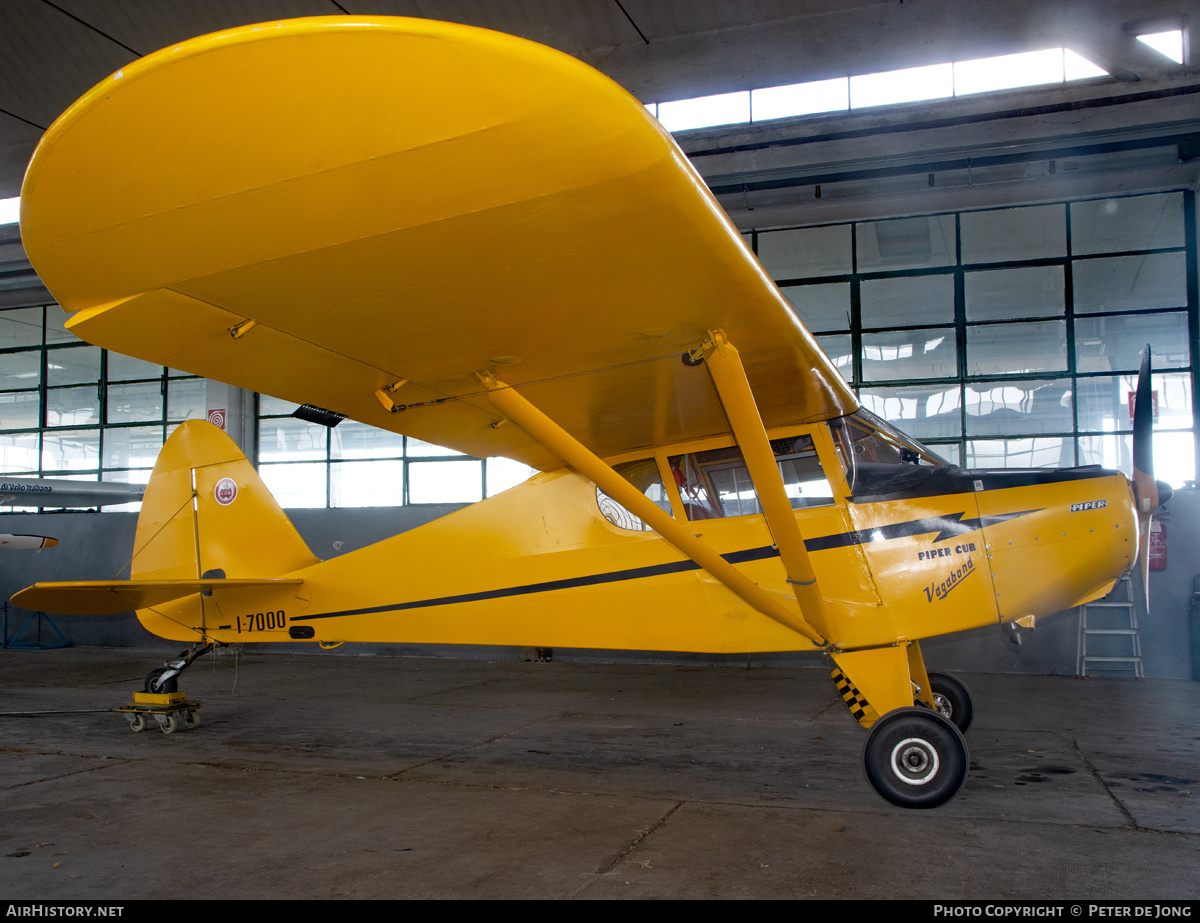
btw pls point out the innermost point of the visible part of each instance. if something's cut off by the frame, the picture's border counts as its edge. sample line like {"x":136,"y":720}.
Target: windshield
{"x":863,"y":438}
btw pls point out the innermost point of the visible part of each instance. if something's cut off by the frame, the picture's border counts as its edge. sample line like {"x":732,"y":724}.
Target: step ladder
{"x":1110,"y":627}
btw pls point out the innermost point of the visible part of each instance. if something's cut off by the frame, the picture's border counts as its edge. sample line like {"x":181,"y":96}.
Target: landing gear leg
{"x":165,"y":678}
{"x":915,"y":758}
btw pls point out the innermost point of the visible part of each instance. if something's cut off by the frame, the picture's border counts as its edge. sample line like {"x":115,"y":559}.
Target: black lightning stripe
{"x":946,"y":526}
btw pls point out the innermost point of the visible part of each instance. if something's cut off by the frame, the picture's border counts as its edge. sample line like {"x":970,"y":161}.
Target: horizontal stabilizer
{"x":110,"y":597}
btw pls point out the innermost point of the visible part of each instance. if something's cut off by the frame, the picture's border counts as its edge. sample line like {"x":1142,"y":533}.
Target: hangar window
{"x":352,"y":464}
{"x":1010,"y":336}
{"x":72,"y":410}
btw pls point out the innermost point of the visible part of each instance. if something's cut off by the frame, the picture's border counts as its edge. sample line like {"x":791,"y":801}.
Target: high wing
{"x":318,"y":209}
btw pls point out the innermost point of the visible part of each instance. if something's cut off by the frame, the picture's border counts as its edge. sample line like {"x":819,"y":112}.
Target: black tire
{"x":171,"y":685}
{"x":915,"y":758}
{"x":952,"y":700}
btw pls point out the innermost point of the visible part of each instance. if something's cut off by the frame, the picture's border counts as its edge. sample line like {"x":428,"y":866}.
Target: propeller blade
{"x":1145,"y":488}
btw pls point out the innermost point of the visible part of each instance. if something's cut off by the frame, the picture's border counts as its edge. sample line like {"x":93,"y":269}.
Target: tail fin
{"x":206,"y":512}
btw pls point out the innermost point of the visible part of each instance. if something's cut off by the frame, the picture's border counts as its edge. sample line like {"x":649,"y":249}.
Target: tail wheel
{"x":915,"y":758}
{"x":170,"y":685}
{"x":952,"y":700}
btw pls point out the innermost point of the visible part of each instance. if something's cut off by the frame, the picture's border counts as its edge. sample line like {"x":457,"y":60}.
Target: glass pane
{"x":56,"y":326}
{"x":804,"y":479}
{"x":358,"y":440}
{"x":1014,"y":234}
{"x":1018,"y":407}
{"x":821,"y":307}
{"x":951,"y":451}
{"x":296,"y":486}
{"x":187,"y":400}
{"x":906,"y":243}
{"x":642,"y":474}
{"x":840,"y":350}
{"x":909,"y":354}
{"x":19,"y":452}
{"x":74,"y":450}
{"x":1131,"y":283}
{"x":138,"y":476}
{"x":21,"y":370}
{"x":1114,"y":343}
{"x":72,"y":406}
{"x":1105,"y":402}
{"x":417,"y":448}
{"x":289,"y":439}
{"x":804,"y":252}
{"x":368,"y":483}
{"x":503,"y":473}
{"x":1006,"y":294}
{"x":272,"y":406}
{"x":20,"y":327}
{"x":1045,"y":452}
{"x":20,"y":410}
{"x":445,"y":482}
{"x":132,"y":446}
{"x":72,"y":366}
{"x":907,"y":300}
{"x":1174,"y":457}
{"x":126,"y":368}
{"x":1014,"y":348}
{"x":1148,"y":222}
{"x":135,"y":403}
{"x":921,"y":411}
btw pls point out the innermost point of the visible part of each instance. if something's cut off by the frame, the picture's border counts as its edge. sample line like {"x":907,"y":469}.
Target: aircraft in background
{"x":60,"y":492}
{"x":10,"y":542}
{"x":485,"y":244}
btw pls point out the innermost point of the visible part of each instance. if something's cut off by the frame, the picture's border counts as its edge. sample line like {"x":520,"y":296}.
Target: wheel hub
{"x":914,"y":761}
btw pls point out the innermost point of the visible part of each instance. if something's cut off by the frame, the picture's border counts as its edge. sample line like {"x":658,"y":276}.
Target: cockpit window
{"x":716,"y":483}
{"x":642,"y":474}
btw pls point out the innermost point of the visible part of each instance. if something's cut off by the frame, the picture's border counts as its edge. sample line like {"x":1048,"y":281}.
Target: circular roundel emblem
{"x":226,"y":491}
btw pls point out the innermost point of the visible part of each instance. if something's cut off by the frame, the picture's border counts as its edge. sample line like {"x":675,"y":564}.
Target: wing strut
{"x":729,"y":376}
{"x":578,"y":456}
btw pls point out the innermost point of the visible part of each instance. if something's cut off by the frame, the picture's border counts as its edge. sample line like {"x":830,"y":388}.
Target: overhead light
{"x":10,"y":210}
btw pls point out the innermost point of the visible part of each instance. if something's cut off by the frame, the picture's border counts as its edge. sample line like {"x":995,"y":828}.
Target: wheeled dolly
{"x":169,"y":709}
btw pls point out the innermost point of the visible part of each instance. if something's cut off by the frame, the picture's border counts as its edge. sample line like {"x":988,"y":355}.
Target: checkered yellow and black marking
{"x":859,"y":707}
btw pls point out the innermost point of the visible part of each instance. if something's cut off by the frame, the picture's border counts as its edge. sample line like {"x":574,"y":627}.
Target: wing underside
{"x":320,"y":209}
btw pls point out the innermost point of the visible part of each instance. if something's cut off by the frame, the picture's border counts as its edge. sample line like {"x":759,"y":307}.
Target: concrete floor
{"x":325,"y":776}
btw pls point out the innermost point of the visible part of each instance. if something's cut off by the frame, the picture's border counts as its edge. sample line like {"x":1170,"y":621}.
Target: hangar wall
{"x":97,"y":546}
{"x":1080,"y":143}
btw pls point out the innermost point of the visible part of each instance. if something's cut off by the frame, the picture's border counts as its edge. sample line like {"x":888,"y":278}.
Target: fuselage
{"x":901,"y":551}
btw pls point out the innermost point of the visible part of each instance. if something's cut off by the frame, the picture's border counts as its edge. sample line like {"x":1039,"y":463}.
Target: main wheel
{"x":952,"y":700}
{"x":171,"y":685}
{"x":915,"y":758}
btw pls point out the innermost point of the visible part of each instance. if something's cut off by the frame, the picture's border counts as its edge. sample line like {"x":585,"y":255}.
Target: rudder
{"x":207,"y":510}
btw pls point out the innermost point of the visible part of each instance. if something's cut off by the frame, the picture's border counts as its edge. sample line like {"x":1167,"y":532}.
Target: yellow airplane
{"x":485,"y":244}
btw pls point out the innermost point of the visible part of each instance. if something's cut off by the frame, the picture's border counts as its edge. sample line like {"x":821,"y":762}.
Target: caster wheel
{"x":191,"y":720}
{"x":137,"y":723}
{"x":915,"y":758}
{"x":170,"y":724}
{"x":170,"y":685}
